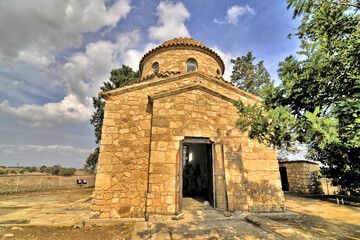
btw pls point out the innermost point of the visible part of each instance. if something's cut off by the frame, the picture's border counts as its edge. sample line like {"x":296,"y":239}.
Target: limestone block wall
{"x":139,"y":153}
{"x":121,"y":180}
{"x":174,"y":59}
{"x":122,"y":176}
{"x":252,"y":178}
{"x":263,"y":183}
{"x":328,"y":188}
{"x":196,"y":114}
{"x":299,"y":175}
{"x":300,"y":179}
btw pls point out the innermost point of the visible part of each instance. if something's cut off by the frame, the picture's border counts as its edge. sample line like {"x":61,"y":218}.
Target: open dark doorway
{"x":197,"y":171}
{"x":284,"y":179}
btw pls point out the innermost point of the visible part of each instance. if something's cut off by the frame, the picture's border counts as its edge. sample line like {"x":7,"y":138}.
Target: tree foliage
{"x":43,"y":168}
{"x":59,"y":170}
{"x":118,"y":78}
{"x":67,"y":172}
{"x":318,"y":100}
{"x":92,"y":160}
{"x":54,"y":170}
{"x":248,"y":76}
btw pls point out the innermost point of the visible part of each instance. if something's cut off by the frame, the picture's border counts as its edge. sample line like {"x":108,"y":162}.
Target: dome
{"x":183,"y":42}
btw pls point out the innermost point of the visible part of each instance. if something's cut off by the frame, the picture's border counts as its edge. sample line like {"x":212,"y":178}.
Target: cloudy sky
{"x":54,"y":56}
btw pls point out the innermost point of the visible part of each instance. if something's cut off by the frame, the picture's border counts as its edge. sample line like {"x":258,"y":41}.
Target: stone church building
{"x":172,"y":135}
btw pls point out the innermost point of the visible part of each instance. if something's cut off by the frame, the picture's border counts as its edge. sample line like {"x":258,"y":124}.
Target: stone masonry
{"x":302,"y":176}
{"x":145,"y":122}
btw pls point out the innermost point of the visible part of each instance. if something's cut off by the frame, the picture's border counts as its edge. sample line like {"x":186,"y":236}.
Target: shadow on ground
{"x":314,"y":219}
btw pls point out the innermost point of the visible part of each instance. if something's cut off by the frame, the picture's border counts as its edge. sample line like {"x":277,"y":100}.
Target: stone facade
{"x":304,"y":177}
{"x":144,"y":124}
{"x":299,"y":175}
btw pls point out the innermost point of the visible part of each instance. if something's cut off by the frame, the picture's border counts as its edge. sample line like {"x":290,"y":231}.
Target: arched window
{"x":191,"y":65}
{"x":155,"y":68}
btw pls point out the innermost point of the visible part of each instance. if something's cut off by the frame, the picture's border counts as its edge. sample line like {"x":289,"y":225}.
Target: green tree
{"x":43,"y":168}
{"x":31,"y":169}
{"x":92,"y":160}
{"x":67,"y":172}
{"x":318,"y":100}
{"x":118,"y":78}
{"x":249,"y":77}
{"x":54,"y":170}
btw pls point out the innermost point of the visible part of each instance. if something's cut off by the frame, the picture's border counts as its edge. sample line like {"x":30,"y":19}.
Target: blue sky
{"x":54,"y":56}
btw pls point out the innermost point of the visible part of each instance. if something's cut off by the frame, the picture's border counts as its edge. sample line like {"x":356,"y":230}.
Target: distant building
{"x":172,"y":134}
{"x":301,"y":176}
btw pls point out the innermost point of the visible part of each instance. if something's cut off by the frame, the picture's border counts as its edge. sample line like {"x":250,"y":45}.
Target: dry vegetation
{"x":43,"y":170}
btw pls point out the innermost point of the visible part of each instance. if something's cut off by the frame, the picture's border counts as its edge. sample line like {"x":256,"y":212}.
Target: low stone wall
{"x":328,"y":188}
{"x":305,"y":177}
{"x":299,"y":175}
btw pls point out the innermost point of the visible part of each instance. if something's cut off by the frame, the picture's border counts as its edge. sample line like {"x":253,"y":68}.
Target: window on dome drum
{"x":191,"y":65}
{"x":155,"y":68}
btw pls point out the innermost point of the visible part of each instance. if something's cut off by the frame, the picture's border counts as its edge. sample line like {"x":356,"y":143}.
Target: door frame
{"x":180,"y":169}
{"x":222,"y":174}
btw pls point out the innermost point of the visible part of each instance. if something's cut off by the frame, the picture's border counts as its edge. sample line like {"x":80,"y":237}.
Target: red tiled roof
{"x":182,"y":42}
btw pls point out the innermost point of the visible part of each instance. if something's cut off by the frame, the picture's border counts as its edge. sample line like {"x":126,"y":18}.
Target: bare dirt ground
{"x":321,"y":220}
{"x":117,"y":231}
{"x":53,"y":215}
{"x":309,"y":219}
{"x":59,"y":207}
{"x":204,"y":222}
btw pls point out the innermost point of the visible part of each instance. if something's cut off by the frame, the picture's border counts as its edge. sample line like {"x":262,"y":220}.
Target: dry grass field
{"x":41,"y":182}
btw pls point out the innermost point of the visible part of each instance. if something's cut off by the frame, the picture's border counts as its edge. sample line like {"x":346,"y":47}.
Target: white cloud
{"x":60,"y":25}
{"x":15,"y":84}
{"x":218,"y":21}
{"x":226,"y":57}
{"x":69,"y":110}
{"x":133,"y":56}
{"x":31,"y":30}
{"x":7,"y":151}
{"x":171,"y":21}
{"x":82,"y":74}
{"x":234,"y":12}
{"x":85,"y":72}
{"x":11,"y":149}
{"x":34,"y":58}
{"x":37,"y":155}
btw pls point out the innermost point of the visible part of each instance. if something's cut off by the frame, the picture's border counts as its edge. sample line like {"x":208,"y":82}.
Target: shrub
{"x":31,"y":169}
{"x":43,"y":168}
{"x":67,"y":171}
{"x":54,"y":170}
